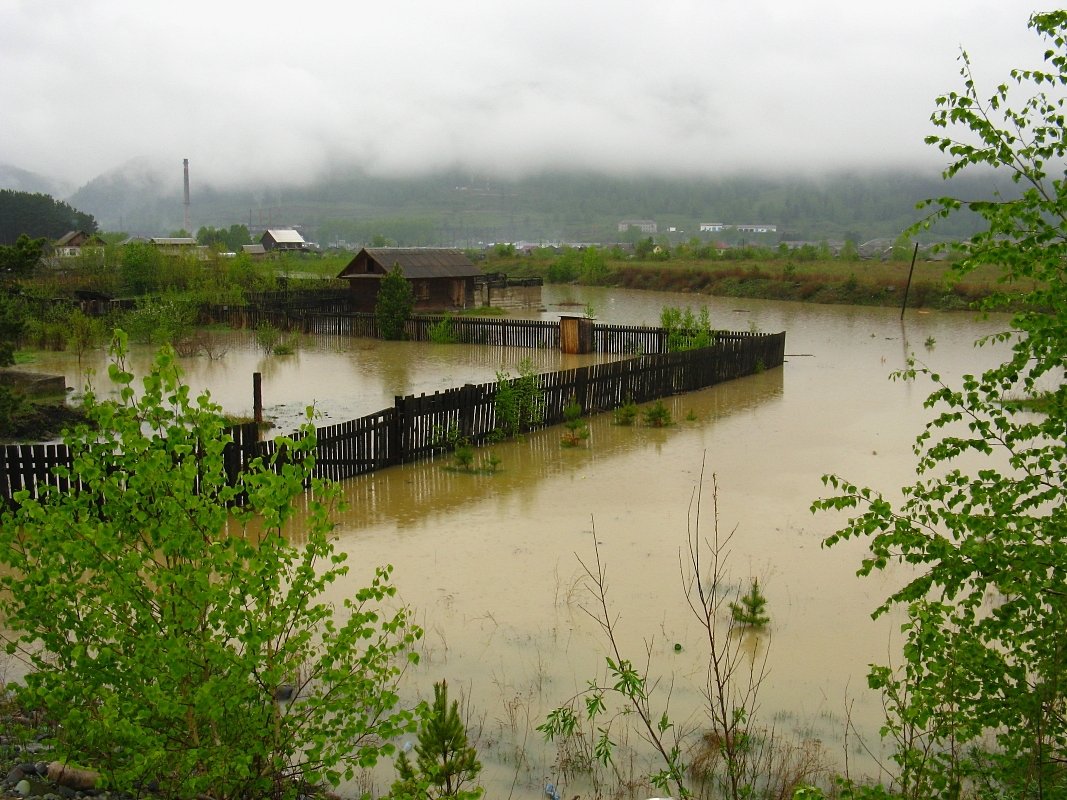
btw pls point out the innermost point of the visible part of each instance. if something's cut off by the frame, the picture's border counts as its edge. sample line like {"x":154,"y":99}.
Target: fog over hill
{"x":456,"y":207}
{"x":21,"y":180}
{"x":288,"y":95}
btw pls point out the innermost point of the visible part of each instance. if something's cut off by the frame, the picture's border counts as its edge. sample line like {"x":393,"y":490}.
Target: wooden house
{"x":441,"y":279}
{"x":73,"y":243}
{"x":282,"y":239}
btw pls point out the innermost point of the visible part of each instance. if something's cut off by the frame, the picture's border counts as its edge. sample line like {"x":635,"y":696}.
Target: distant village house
{"x":441,"y":279}
{"x":180,"y":246}
{"x":719,"y":227}
{"x":643,"y":225}
{"x":71,"y":244}
{"x":282,"y":239}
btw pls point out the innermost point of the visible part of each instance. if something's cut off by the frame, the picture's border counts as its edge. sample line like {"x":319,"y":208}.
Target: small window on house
{"x":424,"y":290}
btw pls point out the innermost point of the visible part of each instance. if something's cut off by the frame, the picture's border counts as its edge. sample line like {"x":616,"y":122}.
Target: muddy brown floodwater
{"x":490,"y":562}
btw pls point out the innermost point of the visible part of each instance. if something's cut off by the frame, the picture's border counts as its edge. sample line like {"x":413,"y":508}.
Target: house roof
{"x":176,"y":241}
{"x":254,"y":249}
{"x":285,"y":236}
{"x":71,"y":236}
{"x":415,"y":262}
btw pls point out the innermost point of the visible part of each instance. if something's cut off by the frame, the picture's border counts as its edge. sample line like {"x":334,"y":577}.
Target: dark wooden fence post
{"x":257,"y":397}
{"x":396,"y":431}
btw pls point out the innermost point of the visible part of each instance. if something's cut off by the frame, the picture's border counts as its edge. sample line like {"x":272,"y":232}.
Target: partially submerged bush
{"x":181,"y":642}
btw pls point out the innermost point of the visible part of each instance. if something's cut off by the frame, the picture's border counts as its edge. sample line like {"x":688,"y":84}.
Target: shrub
{"x":167,"y":627}
{"x":268,"y":337}
{"x":657,"y":415}
{"x":443,"y":331}
{"x":445,"y":763}
{"x":577,"y":428}
{"x":750,"y":609}
{"x":159,"y":321}
{"x":625,"y":414}
{"x":394,"y":304}
{"x":686,"y":330}
{"x":519,"y":402}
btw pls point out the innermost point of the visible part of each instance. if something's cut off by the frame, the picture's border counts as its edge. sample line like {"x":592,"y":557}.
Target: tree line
{"x":38,"y":215}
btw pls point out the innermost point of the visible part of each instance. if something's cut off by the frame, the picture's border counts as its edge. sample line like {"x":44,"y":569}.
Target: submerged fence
{"x":414,"y":427}
{"x":543,"y":334}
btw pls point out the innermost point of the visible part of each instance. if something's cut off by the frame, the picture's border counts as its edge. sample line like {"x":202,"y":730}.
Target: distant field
{"x":933,"y":284}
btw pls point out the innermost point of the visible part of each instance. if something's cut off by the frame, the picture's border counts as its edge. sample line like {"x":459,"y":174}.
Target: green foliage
{"x":577,"y":428}
{"x":85,"y":333}
{"x":594,"y":270}
{"x":903,"y":249}
{"x":38,"y":215}
{"x":141,"y":268}
{"x":12,"y":324}
{"x":443,"y":331}
{"x":750,"y":609}
{"x":180,"y":641}
{"x":445,"y":763}
{"x":519,"y":402}
{"x":626,"y":414}
{"x":21,"y":258}
{"x":685,"y":330}
{"x":268,"y":337}
{"x":227,"y":240}
{"x":160,"y":320}
{"x":849,"y":252}
{"x":978,"y":699}
{"x":657,"y":415}
{"x":394,"y":303}
{"x":566,"y":268}
{"x":463,"y":452}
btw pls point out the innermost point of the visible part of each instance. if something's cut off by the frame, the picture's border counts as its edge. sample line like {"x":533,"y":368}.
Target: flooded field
{"x":490,"y":562}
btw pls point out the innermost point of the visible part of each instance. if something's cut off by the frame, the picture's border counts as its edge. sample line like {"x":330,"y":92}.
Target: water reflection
{"x":407,"y":496}
{"x":491,"y":564}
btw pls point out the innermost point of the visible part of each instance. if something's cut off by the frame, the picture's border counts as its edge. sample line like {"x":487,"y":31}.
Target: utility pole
{"x":185,"y":162}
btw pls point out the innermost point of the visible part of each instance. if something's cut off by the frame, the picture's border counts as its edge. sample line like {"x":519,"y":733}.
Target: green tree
{"x":38,"y":215}
{"x":445,"y":762}
{"x":394,"y":303}
{"x":13,"y":403}
{"x":12,"y":324}
{"x":177,"y":635}
{"x":223,"y":239}
{"x":849,"y":252}
{"x":685,"y":330}
{"x":140,"y":268}
{"x":21,"y":258}
{"x":519,"y":402}
{"x":566,"y":268}
{"x":594,"y":269}
{"x":902,"y":248}
{"x":980,"y":695}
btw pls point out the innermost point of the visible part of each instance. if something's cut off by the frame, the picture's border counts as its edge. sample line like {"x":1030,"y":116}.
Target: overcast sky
{"x":294,"y":89}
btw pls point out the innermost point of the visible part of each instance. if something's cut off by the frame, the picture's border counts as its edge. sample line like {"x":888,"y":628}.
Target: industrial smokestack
{"x":185,"y":162}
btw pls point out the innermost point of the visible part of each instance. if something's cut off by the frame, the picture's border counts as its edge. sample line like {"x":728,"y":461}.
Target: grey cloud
{"x":287,"y":92}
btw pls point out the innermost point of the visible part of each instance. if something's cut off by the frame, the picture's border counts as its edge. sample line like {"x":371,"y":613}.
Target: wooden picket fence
{"x":415,"y":427}
{"x":605,"y":338}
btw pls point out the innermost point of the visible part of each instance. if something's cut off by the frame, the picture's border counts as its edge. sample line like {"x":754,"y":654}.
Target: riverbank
{"x":934,"y":284}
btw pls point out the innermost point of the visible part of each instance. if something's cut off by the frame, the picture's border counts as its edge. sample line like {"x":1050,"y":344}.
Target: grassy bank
{"x":877,"y":283}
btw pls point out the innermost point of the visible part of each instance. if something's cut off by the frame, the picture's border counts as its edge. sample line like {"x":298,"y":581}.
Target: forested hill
{"x":38,"y":215}
{"x":459,"y":208}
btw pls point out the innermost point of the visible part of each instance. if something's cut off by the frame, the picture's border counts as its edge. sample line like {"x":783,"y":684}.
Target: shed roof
{"x":71,"y":236}
{"x":415,"y":262}
{"x":285,"y":236}
{"x":176,"y":241}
